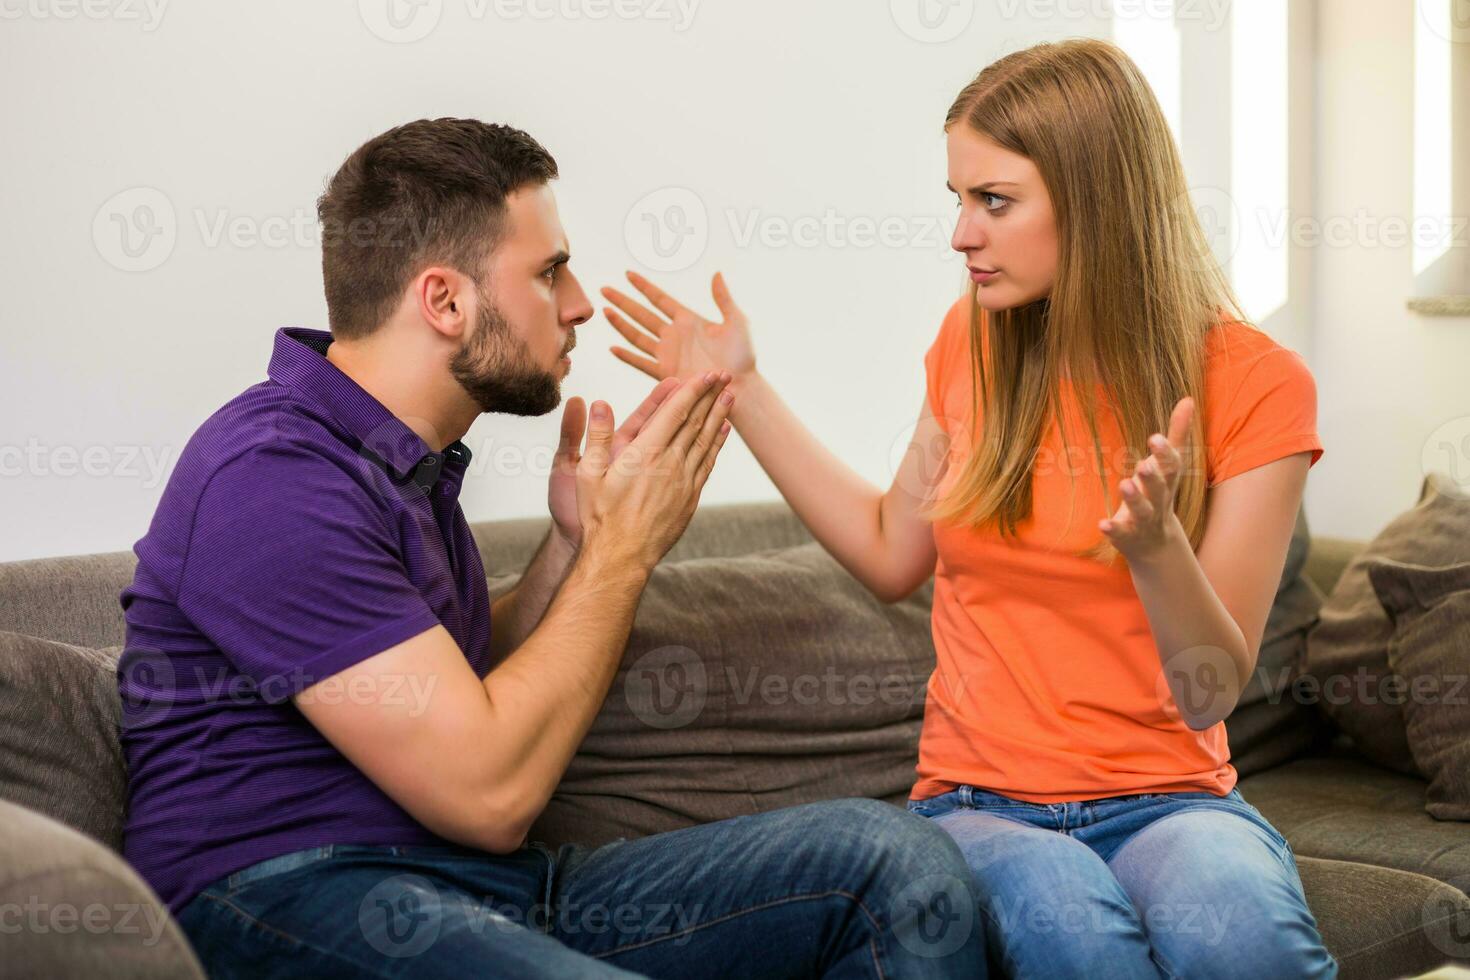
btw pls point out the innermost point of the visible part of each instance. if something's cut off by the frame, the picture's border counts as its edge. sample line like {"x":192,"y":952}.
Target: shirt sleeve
{"x":293,"y":571}
{"x":1271,"y":413}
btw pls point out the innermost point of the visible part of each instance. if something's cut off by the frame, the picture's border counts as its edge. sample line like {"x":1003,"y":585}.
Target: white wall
{"x":816,"y":117}
{"x":1392,"y":385}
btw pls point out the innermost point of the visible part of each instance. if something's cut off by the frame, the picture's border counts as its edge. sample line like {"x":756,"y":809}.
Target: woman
{"x":1103,"y":483}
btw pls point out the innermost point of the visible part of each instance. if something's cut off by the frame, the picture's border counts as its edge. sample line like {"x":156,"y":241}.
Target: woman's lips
{"x":982,"y":275}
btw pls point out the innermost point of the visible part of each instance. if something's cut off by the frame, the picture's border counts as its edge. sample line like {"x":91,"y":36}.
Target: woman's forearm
{"x":849,"y":516}
{"x":1206,"y":660}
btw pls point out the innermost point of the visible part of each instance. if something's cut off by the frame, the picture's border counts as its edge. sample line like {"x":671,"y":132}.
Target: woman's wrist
{"x":750,"y":389}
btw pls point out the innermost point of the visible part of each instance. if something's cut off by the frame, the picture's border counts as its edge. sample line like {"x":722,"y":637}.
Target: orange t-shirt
{"x":1047,"y":681}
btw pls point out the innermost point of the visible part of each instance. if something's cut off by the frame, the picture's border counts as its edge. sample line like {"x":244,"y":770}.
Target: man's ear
{"x":443,"y":299}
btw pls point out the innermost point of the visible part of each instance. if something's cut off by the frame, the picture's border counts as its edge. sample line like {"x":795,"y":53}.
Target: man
{"x":335,"y":761}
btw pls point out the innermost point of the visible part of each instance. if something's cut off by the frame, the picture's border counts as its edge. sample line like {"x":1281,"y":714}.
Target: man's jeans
{"x":1161,"y":884}
{"x":849,"y":888}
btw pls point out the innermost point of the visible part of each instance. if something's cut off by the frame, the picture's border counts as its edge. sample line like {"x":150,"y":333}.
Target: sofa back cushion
{"x":1430,"y":651}
{"x":59,"y":749}
{"x":1347,"y":651}
{"x":750,"y":683}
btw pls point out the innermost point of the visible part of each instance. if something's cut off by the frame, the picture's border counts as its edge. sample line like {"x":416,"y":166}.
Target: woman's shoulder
{"x":1235,"y":349}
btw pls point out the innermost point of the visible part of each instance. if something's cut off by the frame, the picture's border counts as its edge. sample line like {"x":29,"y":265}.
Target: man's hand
{"x":637,"y":506}
{"x":561,"y":492}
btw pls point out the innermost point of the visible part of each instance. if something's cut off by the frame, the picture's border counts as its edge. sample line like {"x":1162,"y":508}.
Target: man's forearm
{"x":514,"y":615}
{"x":549,"y":690}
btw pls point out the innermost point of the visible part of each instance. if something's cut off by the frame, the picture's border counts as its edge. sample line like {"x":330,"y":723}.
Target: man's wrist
{"x":608,"y":560}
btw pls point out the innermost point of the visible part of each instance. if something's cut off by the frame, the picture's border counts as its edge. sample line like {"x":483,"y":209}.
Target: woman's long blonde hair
{"x":1136,"y":288}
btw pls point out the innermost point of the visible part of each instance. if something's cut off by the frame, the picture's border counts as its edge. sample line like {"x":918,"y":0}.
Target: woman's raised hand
{"x":674,"y":341}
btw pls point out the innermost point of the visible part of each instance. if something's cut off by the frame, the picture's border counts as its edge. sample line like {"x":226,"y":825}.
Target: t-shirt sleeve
{"x":1267,"y":413}
{"x":293,"y":571}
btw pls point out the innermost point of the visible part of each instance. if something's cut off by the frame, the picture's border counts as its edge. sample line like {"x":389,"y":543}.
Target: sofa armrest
{"x":69,"y":907}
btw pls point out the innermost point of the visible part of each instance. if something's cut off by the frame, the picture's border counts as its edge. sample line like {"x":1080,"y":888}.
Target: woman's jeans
{"x":849,"y":888}
{"x":1159,"y":884}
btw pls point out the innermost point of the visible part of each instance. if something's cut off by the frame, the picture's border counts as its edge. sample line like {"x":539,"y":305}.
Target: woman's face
{"x":1006,"y":224}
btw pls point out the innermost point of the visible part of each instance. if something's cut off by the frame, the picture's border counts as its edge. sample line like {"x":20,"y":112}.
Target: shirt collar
{"x":298,"y":361}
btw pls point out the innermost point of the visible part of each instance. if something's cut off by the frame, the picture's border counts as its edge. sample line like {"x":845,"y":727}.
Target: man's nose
{"x":578,"y":308}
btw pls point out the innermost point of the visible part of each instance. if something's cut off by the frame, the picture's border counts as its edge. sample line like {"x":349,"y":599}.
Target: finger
{"x":641,"y":314}
{"x":661,"y":300}
{"x":1165,"y":457}
{"x":1137,"y":501}
{"x":659,"y":431}
{"x":598,"y":453}
{"x":633,"y":423}
{"x":723,"y":299}
{"x":1155,"y":487}
{"x":683,"y":440}
{"x":631,"y":334}
{"x":647,"y":366}
{"x":1179,"y":422}
{"x":573,"y":425}
{"x":708,"y":463}
{"x":710,"y":430}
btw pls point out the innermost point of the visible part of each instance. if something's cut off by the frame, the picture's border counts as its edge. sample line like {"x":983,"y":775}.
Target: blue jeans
{"x":849,"y":888}
{"x":1157,"y":884}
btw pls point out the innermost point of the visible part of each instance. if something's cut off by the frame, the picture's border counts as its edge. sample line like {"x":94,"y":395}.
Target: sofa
{"x":758,"y":675}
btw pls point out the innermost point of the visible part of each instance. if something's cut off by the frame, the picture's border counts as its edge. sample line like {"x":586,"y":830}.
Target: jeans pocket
{"x":934,"y":806}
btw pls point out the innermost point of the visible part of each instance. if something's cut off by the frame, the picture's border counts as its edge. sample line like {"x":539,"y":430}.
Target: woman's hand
{"x":1145,"y":522}
{"x":680,"y":343}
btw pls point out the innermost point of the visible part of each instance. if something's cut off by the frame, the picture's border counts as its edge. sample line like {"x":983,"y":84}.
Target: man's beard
{"x":497,"y":369}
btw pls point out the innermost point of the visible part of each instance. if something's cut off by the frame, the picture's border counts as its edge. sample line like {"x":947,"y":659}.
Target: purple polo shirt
{"x":304,"y":529}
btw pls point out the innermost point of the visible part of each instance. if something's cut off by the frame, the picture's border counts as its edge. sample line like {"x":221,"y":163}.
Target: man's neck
{"x":409,"y":395}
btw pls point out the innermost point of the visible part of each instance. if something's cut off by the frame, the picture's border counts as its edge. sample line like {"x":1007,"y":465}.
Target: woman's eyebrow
{"x":981,"y":189}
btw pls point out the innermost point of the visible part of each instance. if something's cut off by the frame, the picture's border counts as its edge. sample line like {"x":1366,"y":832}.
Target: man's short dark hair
{"x":429,"y":191}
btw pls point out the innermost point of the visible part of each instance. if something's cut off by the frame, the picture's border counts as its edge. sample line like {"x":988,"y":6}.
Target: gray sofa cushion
{"x":1342,"y":808}
{"x":750,"y":683}
{"x":1347,"y":651}
{"x":59,"y":749}
{"x":1377,"y":922}
{"x":1430,"y":650}
{"x":80,"y":910}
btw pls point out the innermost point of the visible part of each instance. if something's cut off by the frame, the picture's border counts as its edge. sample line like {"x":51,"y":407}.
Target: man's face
{"x":527,"y":309}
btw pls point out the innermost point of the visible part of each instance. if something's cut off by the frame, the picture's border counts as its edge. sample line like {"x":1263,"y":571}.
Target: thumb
{"x":573,"y":425}
{"x":599,"y":438}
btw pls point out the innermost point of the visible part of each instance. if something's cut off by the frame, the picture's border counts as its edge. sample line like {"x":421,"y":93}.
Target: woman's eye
{"x":550,"y":274}
{"x":996,"y":197}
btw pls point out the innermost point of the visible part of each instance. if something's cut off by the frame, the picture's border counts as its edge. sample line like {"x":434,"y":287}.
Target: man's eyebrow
{"x":981,"y":189}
